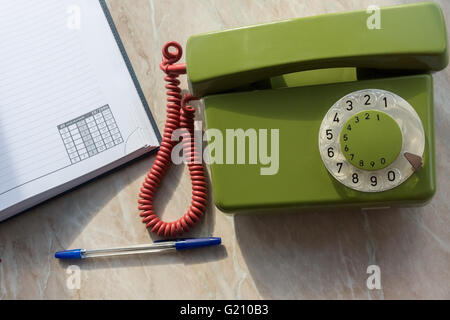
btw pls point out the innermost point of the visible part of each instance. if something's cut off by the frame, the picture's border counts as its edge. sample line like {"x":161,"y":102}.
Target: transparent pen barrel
{"x":154,"y":248}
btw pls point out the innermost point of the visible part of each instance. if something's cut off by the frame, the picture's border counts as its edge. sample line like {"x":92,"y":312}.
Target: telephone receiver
{"x":338,"y":110}
{"x":411,"y":37}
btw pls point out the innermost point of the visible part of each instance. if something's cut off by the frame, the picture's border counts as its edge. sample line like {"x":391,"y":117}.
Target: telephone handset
{"x":352,"y":106}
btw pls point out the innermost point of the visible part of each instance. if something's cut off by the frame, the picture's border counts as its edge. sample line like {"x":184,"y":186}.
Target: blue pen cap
{"x":69,"y":254}
{"x":197,"y":243}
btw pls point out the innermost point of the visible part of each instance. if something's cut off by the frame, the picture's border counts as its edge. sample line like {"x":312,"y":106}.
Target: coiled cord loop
{"x":179,"y":116}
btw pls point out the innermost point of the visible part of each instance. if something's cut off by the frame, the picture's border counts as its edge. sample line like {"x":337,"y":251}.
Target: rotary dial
{"x":372,"y":140}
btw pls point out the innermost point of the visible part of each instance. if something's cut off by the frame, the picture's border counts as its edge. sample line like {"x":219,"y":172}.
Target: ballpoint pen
{"x":157,"y":246}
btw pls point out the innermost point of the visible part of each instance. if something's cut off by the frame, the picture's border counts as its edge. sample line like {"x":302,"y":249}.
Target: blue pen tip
{"x":69,"y":254}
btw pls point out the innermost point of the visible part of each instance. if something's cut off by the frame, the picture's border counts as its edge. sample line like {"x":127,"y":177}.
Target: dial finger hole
{"x":350,"y":104}
{"x":328,"y":134}
{"x":392,"y":176}
{"x":386,"y":101}
{"x":367,"y":100}
{"x":335,"y":117}
{"x":341,"y":169}
{"x":375,"y":183}
{"x":330,"y":152}
{"x":355,"y":179}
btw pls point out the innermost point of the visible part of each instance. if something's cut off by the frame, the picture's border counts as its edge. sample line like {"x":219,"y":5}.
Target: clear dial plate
{"x":391,"y":176}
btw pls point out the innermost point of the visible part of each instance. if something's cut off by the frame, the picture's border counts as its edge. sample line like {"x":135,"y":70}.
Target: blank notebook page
{"x":68,"y":104}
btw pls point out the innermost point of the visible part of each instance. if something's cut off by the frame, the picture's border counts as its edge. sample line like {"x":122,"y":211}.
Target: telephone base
{"x":302,"y":180}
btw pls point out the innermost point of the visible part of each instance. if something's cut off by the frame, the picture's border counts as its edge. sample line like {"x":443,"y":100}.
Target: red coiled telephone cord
{"x":179,"y":116}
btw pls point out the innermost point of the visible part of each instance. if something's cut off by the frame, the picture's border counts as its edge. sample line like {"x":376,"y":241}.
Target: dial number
{"x":391,"y":176}
{"x":374,"y":181}
{"x":330,"y":152}
{"x":349,"y":105}
{"x":336,"y":118}
{"x":330,"y":134}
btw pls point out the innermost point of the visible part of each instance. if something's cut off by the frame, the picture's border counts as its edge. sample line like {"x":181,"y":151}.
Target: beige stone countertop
{"x":309,"y":255}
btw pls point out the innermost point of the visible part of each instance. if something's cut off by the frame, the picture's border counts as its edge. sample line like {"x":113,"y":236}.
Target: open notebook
{"x":70,"y":105}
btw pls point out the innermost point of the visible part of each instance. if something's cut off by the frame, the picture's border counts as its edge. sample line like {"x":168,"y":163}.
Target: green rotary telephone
{"x":352,"y":107}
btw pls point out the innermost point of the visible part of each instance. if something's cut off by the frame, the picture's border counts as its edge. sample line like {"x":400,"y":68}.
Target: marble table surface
{"x":309,"y":255}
